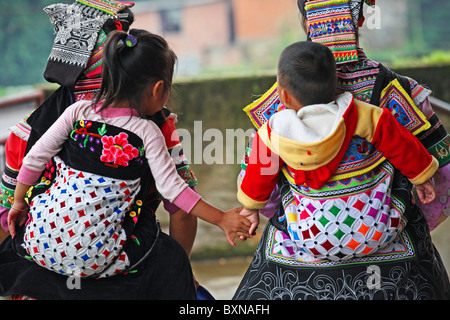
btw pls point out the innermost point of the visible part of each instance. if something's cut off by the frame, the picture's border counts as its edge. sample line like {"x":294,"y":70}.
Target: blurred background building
{"x":216,"y":36}
{"x":211,"y":36}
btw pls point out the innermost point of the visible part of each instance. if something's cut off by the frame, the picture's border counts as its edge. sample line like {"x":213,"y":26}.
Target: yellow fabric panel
{"x":427,"y":173}
{"x":248,"y":202}
{"x":368,"y":117}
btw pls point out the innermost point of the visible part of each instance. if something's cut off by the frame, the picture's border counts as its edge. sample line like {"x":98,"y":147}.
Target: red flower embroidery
{"x":116,"y":150}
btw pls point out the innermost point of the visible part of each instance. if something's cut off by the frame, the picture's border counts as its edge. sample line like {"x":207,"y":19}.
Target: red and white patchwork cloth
{"x":75,"y":227}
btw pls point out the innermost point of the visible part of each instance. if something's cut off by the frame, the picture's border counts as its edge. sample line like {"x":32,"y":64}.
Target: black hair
{"x":122,"y":21}
{"x":128,"y":71}
{"x":308,"y":71}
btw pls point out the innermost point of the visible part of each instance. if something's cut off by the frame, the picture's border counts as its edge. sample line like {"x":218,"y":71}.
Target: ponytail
{"x":131,"y":62}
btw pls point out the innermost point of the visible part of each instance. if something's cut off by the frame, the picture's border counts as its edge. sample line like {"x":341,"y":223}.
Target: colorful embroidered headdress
{"x":356,"y":8}
{"x":77,"y":27}
{"x":333,"y":23}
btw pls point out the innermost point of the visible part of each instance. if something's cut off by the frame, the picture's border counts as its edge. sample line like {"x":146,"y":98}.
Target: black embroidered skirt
{"x":411,"y":270}
{"x":164,"y":274}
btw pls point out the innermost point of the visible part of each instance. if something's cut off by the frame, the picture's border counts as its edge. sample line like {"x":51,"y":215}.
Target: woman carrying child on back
{"x":95,"y":166}
{"x":360,"y":235}
{"x":306,"y":143}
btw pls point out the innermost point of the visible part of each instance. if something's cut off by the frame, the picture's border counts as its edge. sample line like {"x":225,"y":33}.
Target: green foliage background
{"x":26,"y":38}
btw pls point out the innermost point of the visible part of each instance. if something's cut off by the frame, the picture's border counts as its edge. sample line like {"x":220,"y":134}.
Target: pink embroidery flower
{"x":117,"y":151}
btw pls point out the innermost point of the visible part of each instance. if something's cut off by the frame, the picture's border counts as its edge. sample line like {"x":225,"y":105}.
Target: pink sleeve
{"x":170,"y":207}
{"x":28,"y":176}
{"x":187,"y":199}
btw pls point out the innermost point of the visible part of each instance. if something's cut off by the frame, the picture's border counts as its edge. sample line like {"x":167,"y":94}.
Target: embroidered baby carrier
{"x":354,"y":214}
{"x":80,"y":219}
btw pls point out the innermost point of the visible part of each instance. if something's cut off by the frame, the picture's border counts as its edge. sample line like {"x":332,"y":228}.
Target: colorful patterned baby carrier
{"x":80,"y":219}
{"x":354,"y":214}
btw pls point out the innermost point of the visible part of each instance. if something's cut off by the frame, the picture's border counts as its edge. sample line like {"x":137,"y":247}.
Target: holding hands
{"x":253,"y":217}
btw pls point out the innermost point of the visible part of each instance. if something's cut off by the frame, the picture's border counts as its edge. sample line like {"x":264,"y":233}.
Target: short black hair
{"x":308,"y":71}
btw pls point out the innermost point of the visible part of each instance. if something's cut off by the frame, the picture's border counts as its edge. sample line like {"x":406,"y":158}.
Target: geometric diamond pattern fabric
{"x":344,"y":227}
{"x":75,"y":227}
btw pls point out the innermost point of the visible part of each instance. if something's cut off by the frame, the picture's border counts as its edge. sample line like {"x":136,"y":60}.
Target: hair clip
{"x":121,"y":16}
{"x":130,"y":41}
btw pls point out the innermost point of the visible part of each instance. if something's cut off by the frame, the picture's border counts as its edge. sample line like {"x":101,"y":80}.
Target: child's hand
{"x":17,"y":215}
{"x":426,"y":192}
{"x":234,"y":225}
{"x":253,"y":217}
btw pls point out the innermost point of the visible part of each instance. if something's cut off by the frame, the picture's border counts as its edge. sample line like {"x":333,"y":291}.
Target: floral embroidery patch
{"x":86,"y":139}
{"x":117,"y":151}
{"x":114,"y":150}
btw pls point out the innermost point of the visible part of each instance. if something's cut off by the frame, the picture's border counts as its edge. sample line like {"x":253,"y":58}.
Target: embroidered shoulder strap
{"x":384,"y":77}
{"x":393,"y":91}
{"x":263,"y":108}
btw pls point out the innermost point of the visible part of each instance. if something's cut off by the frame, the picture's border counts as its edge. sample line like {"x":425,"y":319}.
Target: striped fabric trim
{"x":331,"y":24}
{"x":263,"y":108}
{"x":22,"y":129}
{"x":108,"y":6}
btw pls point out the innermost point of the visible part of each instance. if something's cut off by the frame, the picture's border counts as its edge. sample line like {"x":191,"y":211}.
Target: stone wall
{"x":436,"y":78}
{"x":220,"y":100}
